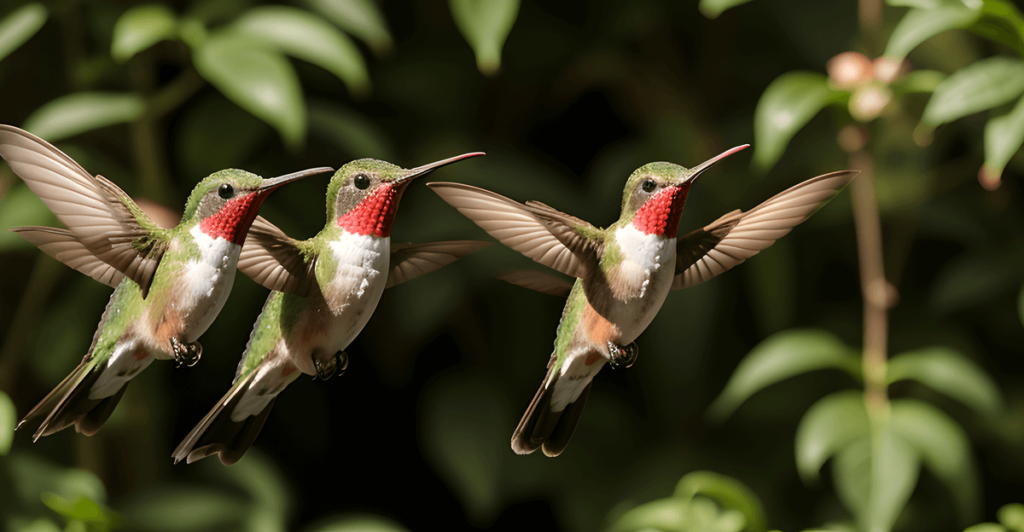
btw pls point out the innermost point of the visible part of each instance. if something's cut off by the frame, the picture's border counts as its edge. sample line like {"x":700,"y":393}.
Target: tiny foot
{"x":622,"y":357}
{"x":186,"y":354}
{"x":324,"y":371}
{"x":341,"y":362}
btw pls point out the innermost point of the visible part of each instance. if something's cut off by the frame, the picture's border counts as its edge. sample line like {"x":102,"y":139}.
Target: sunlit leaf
{"x":948,"y":372}
{"x":485,"y":25}
{"x":875,"y":476}
{"x":361,"y":18}
{"x":258,"y":79}
{"x":355,"y":135}
{"x":81,"y":508}
{"x":357,"y":523}
{"x":19,"y":26}
{"x":1012,"y":516}
{"x":781,"y":356}
{"x":8,"y":420}
{"x":918,"y":25}
{"x":160,"y":510}
{"x":79,"y":112}
{"x":728,"y":492}
{"x":982,"y":85}
{"x":787,"y":105}
{"x":986,"y":527}
{"x":14,"y":524}
{"x":663,"y":514}
{"x":829,"y":426}
{"x":713,"y":8}
{"x":141,"y":27}
{"x":1001,"y":21}
{"x":1004,"y":135}
{"x":308,"y":37}
{"x":919,"y":81}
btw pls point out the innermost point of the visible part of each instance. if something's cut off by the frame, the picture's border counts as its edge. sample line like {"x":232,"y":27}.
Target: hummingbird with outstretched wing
{"x":623,"y":273}
{"x":169,"y":284}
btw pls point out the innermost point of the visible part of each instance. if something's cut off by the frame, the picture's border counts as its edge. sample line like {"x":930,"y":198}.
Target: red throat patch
{"x":234,"y":218}
{"x":375,"y":214}
{"x":660,"y":215}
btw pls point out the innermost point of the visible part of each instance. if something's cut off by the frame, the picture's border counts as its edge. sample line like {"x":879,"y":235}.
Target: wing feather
{"x":409,"y":260}
{"x":62,"y":245}
{"x":274,"y":260}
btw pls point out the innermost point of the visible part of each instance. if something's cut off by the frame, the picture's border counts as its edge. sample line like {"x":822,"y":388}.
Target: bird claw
{"x":622,"y":357}
{"x":186,"y":354}
{"x":338,"y":364}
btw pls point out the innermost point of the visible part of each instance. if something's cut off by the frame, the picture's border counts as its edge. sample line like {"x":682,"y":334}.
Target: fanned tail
{"x":69,"y":404}
{"x":543,"y":428}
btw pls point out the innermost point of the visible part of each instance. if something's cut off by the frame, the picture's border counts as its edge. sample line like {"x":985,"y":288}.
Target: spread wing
{"x":737,"y":236}
{"x":409,"y":260}
{"x":274,"y":260}
{"x":64,"y":246}
{"x":538,"y":281}
{"x":552,"y":238}
{"x":99,"y":214}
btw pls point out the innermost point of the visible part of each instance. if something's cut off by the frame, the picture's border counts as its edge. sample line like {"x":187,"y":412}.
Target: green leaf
{"x":950,"y":373}
{"x":358,"y":523}
{"x":160,"y":510}
{"x":1001,"y":22}
{"x":258,"y":79}
{"x":20,"y":524}
{"x":982,"y":85}
{"x":875,"y":476}
{"x":781,"y":356}
{"x":19,"y":207}
{"x":663,"y":514}
{"x":81,"y":508}
{"x":986,"y":527}
{"x":265,"y":484}
{"x":485,"y":24}
{"x":1004,"y":135}
{"x":8,"y":420}
{"x":787,"y":105}
{"x":355,"y":135}
{"x":919,"y":25}
{"x":79,"y":112}
{"x":919,"y":81}
{"x":1012,"y":516}
{"x":713,"y":8}
{"x":728,"y":492}
{"x":19,"y":26}
{"x":829,"y":425}
{"x":361,"y":18}
{"x":303,"y":35}
{"x":944,"y":448}
{"x":141,"y":27}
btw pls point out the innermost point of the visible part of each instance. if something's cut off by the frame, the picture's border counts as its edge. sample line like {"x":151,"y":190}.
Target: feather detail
{"x":412,"y":260}
{"x":64,"y":246}
{"x":274,"y":260}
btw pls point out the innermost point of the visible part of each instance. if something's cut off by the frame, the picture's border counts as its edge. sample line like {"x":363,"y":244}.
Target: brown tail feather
{"x":559,"y":438}
{"x":69,"y":404}
{"x":218,"y":434}
{"x":542,"y":427}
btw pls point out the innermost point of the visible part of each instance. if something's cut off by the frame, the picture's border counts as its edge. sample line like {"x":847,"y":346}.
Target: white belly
{"x":650,"y":261}
{"x":209,"y":279}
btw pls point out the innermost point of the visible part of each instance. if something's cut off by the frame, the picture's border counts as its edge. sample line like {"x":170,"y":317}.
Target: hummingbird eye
{"x":648,"y":185}
{"x":226,"y":191}
{"x":361,"y":181}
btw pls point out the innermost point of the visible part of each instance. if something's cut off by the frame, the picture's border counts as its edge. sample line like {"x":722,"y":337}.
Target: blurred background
{"x":416,"y":433}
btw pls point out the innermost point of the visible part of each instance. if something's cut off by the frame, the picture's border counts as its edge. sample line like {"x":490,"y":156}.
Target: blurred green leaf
{"x":787,"y":105}
{"x":33,"y":476}
{"x":950,"y":373}
{"x":713,"y":8}
{"x":1004,"y":135}
{"x":944,"y":448}
{"x":485,"y":25}
{"x":258,"y":79}
{"x":174,"y":509}
{"x":875,"y":476}
{"x":1001,"y":21}
{"x":357,"y":523}
{"x":728,"y":492}
{"x":141,"y":27}
{"x":19,"y":26}
{"x":265,"y":484}
{"x":983,"y":85}
{"x":676,"y":514}
{"x":361,"y":18}
{"x":781,"y":356}
{"x":79,"y":112}
{"x":308,"y":37}
{"x":37,"y":525}
{"x":19,"y":207}
{"x":919,"y":81}
{"x":922,"y":4}
{"x":1012,"y":516}
{"x":986,"y":527}
{"x":354,"y":134}
{"x":8,"y":420}
{"x":918,"y":25}
{"x":829,"y":425}
{"x":81,"y":508}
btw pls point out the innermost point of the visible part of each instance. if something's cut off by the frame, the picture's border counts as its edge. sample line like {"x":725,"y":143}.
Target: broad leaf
{"x":19,"y":26}
{"x":357,"y":523}
{"x":829,"y":425}
{"x":728,"y":492}
{"x":944,"y":448}
{"x":485,"y":24}
{"x":81,"y":508}
{"x":79,"y":112}
{"x":713,"y":8}
{"x":258,"y":79}
{"x":141,"y":27}
{"x":986,"y":527}
{"x":781,"y":356}
{"x":949,"y":373}
{"x":20,"y":206}
{"x":674,"y":513}
{"x":8,"y":420}
{"x":787,"y":105}
{"x":303,"y":35}
{"x":361,"y":18}
{"x":919,"y":25}
{"x":1004,"y":135}
{"x":1012,"y":516}
{"x":982,"y":85}
{"x":875,"y":476}
{"x":1001,"y":21}
{"x":265,"y":484}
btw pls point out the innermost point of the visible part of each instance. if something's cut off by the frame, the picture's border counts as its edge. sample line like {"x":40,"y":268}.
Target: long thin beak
{"x":700,"y":168}
{"x":427,"y":168}
{"x":274,"y":182}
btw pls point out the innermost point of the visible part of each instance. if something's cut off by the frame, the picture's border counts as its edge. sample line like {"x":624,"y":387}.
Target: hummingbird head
{"x":363,"y":195}
{"x":226,"y":202}
{"x":656,"y":192}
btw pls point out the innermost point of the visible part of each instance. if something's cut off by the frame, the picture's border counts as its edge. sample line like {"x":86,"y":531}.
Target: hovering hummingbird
{"x":324,"y":291}
{"x":170,"y":284}
{"x":623,"y":273}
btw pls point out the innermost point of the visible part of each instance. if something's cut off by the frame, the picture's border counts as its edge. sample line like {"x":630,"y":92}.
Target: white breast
{"x":362,"y":273}
{"x":648,"y":260}
{"x":209,"y":278}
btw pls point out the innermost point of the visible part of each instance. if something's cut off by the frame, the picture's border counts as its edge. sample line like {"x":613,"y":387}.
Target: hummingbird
{"x":324,"y":290}
{"x":623,"y":273}
{"x":169,"y":284}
